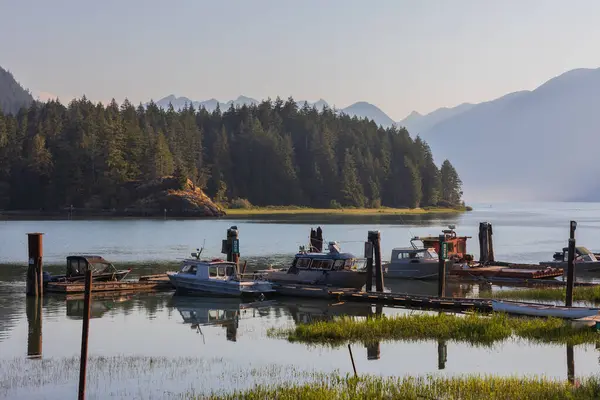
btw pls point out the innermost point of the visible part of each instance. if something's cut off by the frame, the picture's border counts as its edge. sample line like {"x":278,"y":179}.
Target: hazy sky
{"x":400,"y":55}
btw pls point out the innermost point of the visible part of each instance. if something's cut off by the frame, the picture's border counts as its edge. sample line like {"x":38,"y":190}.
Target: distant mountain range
{"x":526,"y":145}
{"x":361,"y":109}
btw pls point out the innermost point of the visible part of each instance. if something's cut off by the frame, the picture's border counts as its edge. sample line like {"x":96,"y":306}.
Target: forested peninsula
{"x":90,"y":156}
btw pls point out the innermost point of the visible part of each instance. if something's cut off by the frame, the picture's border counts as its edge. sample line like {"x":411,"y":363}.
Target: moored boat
{"x":337,"y":269}
{"x":216,"y":277}
{"x":585,"y":261}
{"x":102,"y":270}
{"x":543,"y":310}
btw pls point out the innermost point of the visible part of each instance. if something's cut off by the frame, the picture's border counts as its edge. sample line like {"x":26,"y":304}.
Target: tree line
{"x":273,"y":153}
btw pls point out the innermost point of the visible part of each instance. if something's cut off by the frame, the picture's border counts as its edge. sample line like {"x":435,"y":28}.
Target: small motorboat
{"x":585,"y":260}
{"x":216,"y":277}
{"x":317,"y":268}
{"x":102,"y":270}
{"x":543,"y":310}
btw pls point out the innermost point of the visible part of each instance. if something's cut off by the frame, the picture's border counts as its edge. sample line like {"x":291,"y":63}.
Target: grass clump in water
{"x":429,"y":387}
{"x":474,"y":329}
{"x":583,"y":293}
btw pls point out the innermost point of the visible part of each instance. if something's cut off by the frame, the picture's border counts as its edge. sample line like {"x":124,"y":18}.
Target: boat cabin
{"x":213,"y":269}
{"x":414,"y":255}
{"x":582,"y":254}
{"x":77,"y":265}
{"x":457,"y":245}
{"x":332,"y":261}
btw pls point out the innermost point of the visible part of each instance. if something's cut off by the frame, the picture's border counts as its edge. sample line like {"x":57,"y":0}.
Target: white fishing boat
{"x":216,"y":277}
{"x":543,"y":310}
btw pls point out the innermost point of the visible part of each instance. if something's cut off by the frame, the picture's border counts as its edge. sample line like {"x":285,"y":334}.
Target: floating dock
{"x":112,"y":286}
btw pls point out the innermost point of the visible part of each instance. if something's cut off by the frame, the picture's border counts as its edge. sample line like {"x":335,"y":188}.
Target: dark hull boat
{"x":102,"y":270}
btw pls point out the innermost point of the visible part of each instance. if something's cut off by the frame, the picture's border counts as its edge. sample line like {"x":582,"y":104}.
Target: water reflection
{"x":34,"y":323}
{"x":225,"y":312}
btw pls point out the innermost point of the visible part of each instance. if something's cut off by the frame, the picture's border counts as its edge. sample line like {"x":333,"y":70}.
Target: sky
{"x":401,"y":55}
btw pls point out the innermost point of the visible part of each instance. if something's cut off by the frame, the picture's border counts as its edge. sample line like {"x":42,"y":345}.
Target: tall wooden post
{"x":442,"y":268}
{"x":490,"y":243}
{"x":319,"y":239}
{"x":369,"y":257}
{"x":34,"y":322}
{"x":375,"y":239}
{"x":571,"y":265}
{"x":87,"y":301}
{"x":35,"y":279}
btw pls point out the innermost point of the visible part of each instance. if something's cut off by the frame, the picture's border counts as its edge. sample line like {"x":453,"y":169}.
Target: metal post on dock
{"x":35,"y":279}
{"x":442,"y":267}
{"x":369,"y":257}
{"x":87,"y":300}
{"x":375,"y":239}
{"x":232,"y":245}
{"x":571,"y":265}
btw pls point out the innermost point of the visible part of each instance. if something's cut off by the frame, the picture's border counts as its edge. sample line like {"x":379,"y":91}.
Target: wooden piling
{"x":441,"y":269}
{"x":34,"y":322}
{"x":87,"y":301}
{"x":369,"y":257}
{"x":486,"y":247}
{"x":571,"y":265}
{"x":35,"y":279}
{"x":375,"y":239}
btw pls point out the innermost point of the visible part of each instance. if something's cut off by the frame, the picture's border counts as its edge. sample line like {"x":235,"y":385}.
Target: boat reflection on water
{"x":225,"y":312}
{"x":99,"y":305}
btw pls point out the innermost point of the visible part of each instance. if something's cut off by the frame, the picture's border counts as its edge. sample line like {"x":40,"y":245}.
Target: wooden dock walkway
{"x":114,"y":286}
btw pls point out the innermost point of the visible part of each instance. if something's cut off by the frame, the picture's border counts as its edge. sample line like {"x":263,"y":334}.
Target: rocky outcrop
{"x":168,"y":193}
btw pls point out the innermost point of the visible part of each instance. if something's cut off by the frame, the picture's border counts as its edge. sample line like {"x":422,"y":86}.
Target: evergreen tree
{"x":451,"y":184}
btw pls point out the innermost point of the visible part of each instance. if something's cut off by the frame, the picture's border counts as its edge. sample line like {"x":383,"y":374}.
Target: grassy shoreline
{"x":471,"y":387}
{"x":473,"y":329}
{"x":290,"y":210}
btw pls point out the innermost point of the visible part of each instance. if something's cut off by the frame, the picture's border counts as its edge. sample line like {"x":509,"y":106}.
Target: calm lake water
{"x":164,"y":346}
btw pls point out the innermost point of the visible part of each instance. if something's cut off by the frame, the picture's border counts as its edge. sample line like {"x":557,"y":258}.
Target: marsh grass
{"x":145,"y":377}
{"x":428,"y":387}
{"x":474,"y":329}
{"x":589,"y":294}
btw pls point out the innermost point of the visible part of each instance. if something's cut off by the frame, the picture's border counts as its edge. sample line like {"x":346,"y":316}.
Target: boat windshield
{"x":431,"y":253}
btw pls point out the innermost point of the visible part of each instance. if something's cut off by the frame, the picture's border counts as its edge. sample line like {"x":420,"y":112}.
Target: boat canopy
{"x":77,"y":265}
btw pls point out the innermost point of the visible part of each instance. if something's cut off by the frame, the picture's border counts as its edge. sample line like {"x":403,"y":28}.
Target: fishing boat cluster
{"x":316,"y":271}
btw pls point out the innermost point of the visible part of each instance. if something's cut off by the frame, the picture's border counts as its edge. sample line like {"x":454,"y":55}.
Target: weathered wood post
{"x":375,"y":239}
{"x":35,"y":279}
{"x":486,"y":247}
{"x":34,"y":322}
{"x":87,"y":301}
{"x":369,"y":257}
{"x":442,"y":267}
{"x":571,"y":265}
